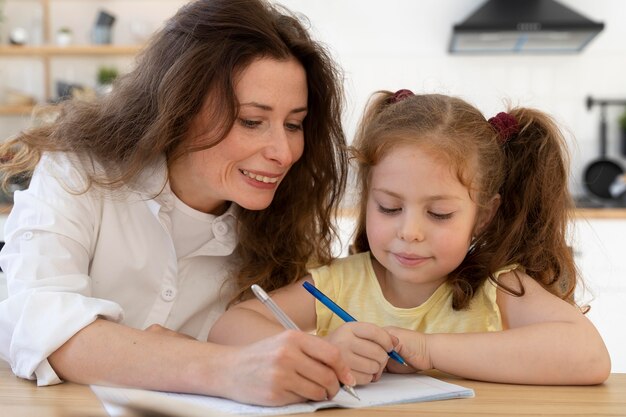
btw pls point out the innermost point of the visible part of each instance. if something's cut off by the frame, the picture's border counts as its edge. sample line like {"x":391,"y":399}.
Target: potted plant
{"x":64,"y":36}
{"x":105,"y":78}
{"x":106,"y":75}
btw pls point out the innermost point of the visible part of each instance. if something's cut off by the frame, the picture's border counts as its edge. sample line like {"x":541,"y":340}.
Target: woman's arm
{"x":290,"y":367}
{"x":48,"y":330}
{"x":545,"y":341}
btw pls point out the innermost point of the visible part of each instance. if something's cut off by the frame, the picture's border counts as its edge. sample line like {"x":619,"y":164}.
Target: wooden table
{"x":21,"y":398}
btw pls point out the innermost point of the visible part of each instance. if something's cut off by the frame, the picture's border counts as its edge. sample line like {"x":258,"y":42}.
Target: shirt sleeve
{"x":49,"y":237}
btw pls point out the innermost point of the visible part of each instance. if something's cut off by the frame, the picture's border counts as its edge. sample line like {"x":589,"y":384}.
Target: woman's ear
{"x":486,"y":214}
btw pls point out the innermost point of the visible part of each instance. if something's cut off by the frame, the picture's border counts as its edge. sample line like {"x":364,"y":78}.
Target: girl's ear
{"x":487,"y":213}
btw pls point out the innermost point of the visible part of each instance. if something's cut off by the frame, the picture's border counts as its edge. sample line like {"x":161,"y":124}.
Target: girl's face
{"x":266,"y":140}
{"x":419,"y":223}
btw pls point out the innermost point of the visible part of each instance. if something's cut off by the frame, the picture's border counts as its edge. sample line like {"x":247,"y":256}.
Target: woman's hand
{"x":413,"y":348}
{"x":287,"y":368}
{"x":364,"y":347}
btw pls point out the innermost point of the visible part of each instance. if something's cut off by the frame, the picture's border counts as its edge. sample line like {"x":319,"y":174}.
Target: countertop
{"x":600,"y":213}
{"x":579,"y":212}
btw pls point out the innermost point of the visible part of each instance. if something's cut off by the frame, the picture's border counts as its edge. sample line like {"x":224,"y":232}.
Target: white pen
{"x":287,"y":322}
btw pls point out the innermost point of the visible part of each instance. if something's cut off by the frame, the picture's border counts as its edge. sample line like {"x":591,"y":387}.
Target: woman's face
{"x":266,"y":140}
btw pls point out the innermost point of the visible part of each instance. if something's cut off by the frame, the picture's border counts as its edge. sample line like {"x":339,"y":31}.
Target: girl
{"x":460,"y":246}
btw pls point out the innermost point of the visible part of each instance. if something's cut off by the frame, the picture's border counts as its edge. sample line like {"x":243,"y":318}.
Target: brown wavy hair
{"x":197,"y":55}
{"x":530,"y":172}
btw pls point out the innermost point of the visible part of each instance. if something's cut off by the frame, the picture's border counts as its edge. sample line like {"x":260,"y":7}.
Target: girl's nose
{"x":411,"y":230}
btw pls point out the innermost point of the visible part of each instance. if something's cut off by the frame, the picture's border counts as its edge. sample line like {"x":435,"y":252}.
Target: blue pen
{"x":343,"y":314}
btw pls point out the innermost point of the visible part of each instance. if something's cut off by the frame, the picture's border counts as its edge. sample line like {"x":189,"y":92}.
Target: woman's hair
{"x":529,"y":171}
{"x":198,"y":54}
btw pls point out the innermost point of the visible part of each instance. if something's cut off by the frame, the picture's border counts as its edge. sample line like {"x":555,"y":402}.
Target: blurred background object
{"x":18,"y":36}
{"x":622,"y":127}
{"x":13,"y":97}
{"x":64,"y":36}
{"x":102,"y":32}
{"x":105,"y":77}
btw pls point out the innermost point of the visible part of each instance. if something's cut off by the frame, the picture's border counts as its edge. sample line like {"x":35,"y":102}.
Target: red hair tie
{"x":506,"y":125}
{"x":399,"y":96}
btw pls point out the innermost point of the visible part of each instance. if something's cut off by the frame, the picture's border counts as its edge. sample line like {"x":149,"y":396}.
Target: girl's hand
{"x":364,"y":348}
{"x":413,"y":347}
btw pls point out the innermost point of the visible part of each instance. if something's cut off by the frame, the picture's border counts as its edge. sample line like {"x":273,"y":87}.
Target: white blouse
{"x":70,"y":258}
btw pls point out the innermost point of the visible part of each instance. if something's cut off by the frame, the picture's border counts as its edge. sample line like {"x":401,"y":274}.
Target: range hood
{"x":523,"y":26}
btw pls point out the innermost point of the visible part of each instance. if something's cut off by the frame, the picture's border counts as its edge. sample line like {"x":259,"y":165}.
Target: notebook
{"x":390,"y":389}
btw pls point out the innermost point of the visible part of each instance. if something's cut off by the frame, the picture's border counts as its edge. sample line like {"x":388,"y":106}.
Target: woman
{"x":215,"y":164}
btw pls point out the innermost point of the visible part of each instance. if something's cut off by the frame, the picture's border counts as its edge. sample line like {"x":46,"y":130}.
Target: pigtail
{"x":530,"y":225}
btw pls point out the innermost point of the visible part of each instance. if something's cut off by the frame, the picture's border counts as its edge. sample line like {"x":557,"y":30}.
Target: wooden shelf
{"x":8,"y":110}
{"x":70,"y":50}
{"x":49,"y":52}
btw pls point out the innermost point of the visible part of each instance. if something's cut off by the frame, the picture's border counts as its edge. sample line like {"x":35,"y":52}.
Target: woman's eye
{"x":387,"y":210}
{"x":250,"y":124}
{"x":441,"y":216}
{"x":293,"y":127}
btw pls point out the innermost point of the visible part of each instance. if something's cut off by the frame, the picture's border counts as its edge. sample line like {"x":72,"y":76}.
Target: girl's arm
{"x":250,"y":320}
{"x":363,"y":346}
{"x":545,"y":341}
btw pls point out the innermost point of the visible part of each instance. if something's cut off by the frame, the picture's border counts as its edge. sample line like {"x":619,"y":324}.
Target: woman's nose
{"x":281,"y":148}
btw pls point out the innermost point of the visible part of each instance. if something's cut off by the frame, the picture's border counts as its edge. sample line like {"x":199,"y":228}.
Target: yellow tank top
{"x":351,"y":283}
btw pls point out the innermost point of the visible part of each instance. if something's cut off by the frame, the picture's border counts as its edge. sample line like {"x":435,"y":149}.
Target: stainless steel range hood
{"x":523,"y":26}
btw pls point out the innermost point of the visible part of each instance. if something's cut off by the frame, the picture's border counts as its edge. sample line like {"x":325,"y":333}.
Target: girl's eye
{"x":440,"y":216}
{"x":386,"y":210}
{"x":293,"y":127}
{"x":250,"y":124}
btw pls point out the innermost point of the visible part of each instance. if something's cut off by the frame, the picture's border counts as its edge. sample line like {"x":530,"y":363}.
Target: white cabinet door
{"x":600,"y":251}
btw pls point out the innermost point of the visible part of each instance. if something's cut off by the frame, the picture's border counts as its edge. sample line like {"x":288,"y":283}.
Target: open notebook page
{"x":391,"y":389}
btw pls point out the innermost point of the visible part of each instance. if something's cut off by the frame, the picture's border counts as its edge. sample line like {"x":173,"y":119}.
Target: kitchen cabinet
{"x":45,"y":53}
{"x":599,"y":249}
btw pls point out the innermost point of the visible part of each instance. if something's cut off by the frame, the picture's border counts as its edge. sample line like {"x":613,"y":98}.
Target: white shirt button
{"x":168,"y":293}
{"x":220,"y":229}
{"x":27,"y":235}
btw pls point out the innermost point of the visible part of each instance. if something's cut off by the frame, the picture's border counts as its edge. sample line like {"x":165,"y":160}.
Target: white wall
{"x":396,"y":44}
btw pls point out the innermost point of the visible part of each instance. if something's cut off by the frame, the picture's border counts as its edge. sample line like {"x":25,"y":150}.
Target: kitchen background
{"x":391,"y":45}
{"x":384,"y":45}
